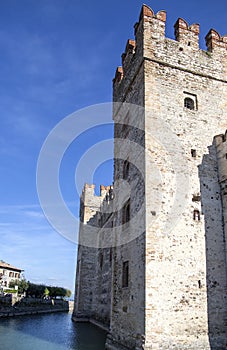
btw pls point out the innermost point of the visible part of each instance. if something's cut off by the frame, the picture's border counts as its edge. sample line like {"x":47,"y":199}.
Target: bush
{"x":10,"y":291}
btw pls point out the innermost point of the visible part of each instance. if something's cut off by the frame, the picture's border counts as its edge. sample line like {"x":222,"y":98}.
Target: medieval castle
{"x":152,"y":258}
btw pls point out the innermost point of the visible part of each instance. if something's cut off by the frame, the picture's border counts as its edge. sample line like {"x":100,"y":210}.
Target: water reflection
{"x":49,"y":332}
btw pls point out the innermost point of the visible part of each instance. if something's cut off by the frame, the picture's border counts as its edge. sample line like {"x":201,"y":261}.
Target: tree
{"x":36,"y":290}
{"x":46,"y":292}
{"x":40,"y":290}
{"x":22,"y":285}
{"x":68,"y":293}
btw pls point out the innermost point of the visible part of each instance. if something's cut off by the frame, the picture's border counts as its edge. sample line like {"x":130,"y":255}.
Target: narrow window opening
{"x":125,"y":309}
{"x":196,"y":215}
{"x":126,"y":213}
{"x":189,"y":103}
{"x":199,"y":284}
{"x":125,"y":274}
{"x":111,"y":193}
{"x":193,"y":153}
{"x":101,"y":260}
{"x":226,"y":156}
{"x":189,"y":43}
{"x":125,"y":169}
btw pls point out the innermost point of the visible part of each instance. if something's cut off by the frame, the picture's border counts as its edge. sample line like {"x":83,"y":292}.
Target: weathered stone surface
{"x":177,"y":180}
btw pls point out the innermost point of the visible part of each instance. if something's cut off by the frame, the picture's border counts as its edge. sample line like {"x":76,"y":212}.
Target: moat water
{"x":49,"y":332}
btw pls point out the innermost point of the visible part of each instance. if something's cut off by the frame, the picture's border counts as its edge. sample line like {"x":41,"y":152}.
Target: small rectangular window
{"x":125,"y":309}
{"x":196,"y":198}
{"x":193,"y":153}
{"x":125,"y":274}
{"x":126,"y":213}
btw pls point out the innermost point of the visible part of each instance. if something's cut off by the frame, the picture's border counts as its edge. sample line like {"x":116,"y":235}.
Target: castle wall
{"x":178,"y":251}
{"x":221,"y":148}
{"x":126,"y":325}
{"x":93,"y":277}
{"x":102,"y":274}
{"x":172,"y":249}
{"x":176,"y":313}
{"x":216,"y":272}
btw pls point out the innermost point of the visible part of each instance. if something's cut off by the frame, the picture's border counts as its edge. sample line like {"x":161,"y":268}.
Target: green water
{"x":49,"y":332}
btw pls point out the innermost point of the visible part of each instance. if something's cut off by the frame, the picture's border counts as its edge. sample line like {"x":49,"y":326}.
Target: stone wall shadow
{"x":216,"y":279}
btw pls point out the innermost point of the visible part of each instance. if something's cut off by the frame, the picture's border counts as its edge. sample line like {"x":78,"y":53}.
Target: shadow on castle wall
{"x":215,"y":249}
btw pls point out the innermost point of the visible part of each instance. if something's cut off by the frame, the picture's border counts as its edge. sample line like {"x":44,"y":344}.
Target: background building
{"x":8,"y":273}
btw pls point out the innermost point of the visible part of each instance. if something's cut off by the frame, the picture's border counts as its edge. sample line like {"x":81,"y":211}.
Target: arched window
{"x":196,"y":215}
{"x":189,"y":103}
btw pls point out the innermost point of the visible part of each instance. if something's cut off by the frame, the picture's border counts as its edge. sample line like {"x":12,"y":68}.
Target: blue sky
{"x":58,"y":56}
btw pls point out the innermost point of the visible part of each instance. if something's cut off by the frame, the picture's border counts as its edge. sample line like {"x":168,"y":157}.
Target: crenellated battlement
{"x":147,"y":12}
{"x":89,"y":189}
{"x":90,"y":203}
{"x":151,"y":43}
{"x":214,"y":40}
{"x":220,"y":142}
{"x":129,"y":49}
{"x":185,"y":34}
{"x":220,"y":139}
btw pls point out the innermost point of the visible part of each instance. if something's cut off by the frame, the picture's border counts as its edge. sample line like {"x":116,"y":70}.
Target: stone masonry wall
{"x":170,"y":99}
{"x":215,"y":248}
{"x":160,"y":74}
{"x":93,"y":277}
{"x":175,"y":70}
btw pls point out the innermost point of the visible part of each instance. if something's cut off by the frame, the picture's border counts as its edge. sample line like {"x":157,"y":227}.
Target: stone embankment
{"x":31,"y":306}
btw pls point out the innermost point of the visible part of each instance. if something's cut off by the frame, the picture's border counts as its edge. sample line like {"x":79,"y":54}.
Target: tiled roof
{"x":4,"y":265}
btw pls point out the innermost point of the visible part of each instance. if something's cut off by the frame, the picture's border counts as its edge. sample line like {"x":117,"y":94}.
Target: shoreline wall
{"x":34,"y":307}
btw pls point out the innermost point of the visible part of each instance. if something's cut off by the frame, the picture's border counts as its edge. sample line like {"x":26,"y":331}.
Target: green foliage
{"x":40,"y":290}
{"x":68,"y":293}
{"x":22,"y":285}
{"x":36,"y":290}
{"x":10,"y":291}
{"x":46,"y":292}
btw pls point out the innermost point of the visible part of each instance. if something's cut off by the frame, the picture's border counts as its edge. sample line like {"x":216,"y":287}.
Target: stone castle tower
{"x":157,"y":276}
